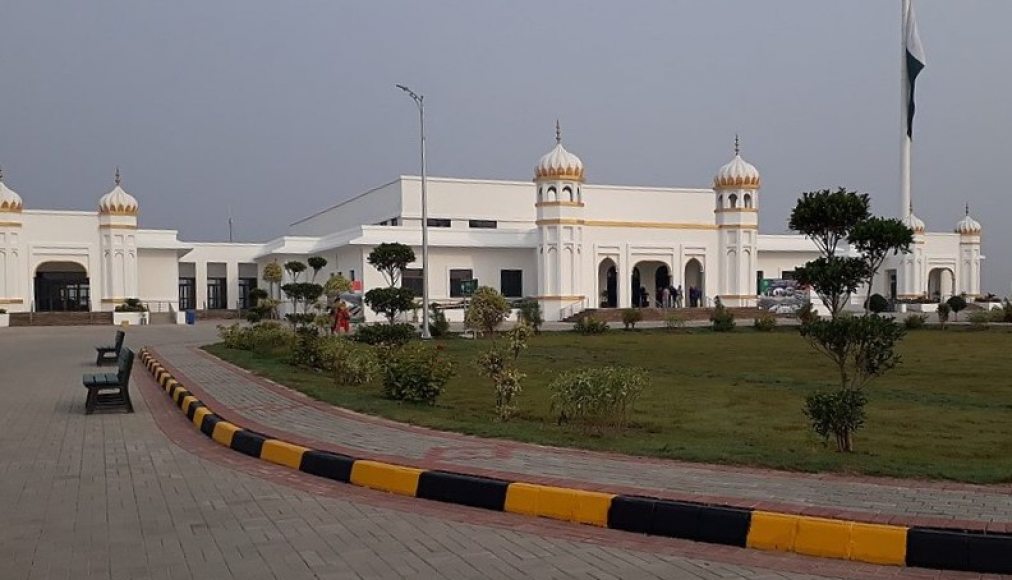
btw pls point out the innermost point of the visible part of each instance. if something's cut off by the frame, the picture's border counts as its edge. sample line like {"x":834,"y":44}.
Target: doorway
{"x":62,"y":287}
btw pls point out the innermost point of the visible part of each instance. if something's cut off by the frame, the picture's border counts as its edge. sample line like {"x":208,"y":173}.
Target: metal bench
{"x":110,"y":353}
{"x":110,"y":391}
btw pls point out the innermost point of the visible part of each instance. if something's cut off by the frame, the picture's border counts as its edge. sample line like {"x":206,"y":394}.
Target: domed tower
{"x":11,"y":297}
{"x":912,"y":277}
{"x":969,"y":231}
{"x":737,"y":214}
{"x":559,"y":180}
{"x":117,"y":222}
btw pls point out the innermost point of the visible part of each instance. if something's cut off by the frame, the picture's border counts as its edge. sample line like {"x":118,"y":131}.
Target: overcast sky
{"x":279,"y":108}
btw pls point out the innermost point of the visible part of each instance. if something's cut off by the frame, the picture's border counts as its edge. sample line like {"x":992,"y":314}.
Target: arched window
{"x":551,"y":194}
{"x":540,"y":195}
{"x":567,"y":193}
{"x":748,"y":200}
{"x":720,"y":200}
{"x":732,"y":200}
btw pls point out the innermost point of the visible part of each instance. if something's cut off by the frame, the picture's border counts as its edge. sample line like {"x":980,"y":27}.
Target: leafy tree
{"x":336,"y":285}
{"x":486,"y":310}
{"x":273,"y":275}
{"x":861,"y":348}
{"x":957,"y":304}
{"x":316,"y":263}
{"x":295,"y":268}
{"x":876,"y":239}
{"x":530,"y":314}
{"x":390,"y":301}
{"x":499,"y":364}
{"x":391,"y":259}
{"x":943,"y":314}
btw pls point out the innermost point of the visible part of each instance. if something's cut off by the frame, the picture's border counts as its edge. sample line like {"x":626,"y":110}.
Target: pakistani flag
{"x":914,"y":63}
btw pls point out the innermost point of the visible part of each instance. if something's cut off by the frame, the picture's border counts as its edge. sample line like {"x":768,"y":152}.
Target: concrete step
{"x":60,"y":318}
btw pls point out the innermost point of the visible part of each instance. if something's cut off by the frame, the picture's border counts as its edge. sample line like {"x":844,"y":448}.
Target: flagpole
{"x":905,"y":199}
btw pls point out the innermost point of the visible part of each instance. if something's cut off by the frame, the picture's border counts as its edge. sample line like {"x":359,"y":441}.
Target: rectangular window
{"x":485,"y":224}
{"x":456,"y":278}
{"x":438,"y":222}
{"x":395,"y":221}
{"x":412,"y":280}
{"x":187,"y":293}
{"x":245,"y":285}
{"x":217,"y":294}
{"x":787,"y":275}
{"x":511,"y":283}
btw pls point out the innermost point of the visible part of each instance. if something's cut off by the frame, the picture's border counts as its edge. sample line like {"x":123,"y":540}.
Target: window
{"x":787,"y":275}
{"x":456,"y":277}
{"x":438,"y":222}
{"x":748,"y":201}
{"x":487,"y":224}
{"x":732,"y":200}
{"x":187,"y":293}
{"x":245,"y":285}
{"x":412,"y":280}
{"x":511,"y":283}
{"x":217,"y":294}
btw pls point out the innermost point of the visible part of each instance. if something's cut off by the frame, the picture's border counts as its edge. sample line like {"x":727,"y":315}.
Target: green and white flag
{"x":914,"y":63}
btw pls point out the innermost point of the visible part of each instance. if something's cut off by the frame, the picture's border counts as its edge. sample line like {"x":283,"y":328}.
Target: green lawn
{"x":945,"y":413}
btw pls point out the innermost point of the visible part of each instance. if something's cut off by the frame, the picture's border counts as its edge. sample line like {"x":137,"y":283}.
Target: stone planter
{"x":129,"y":318}
{"x":5,"y":320}
{"x":933,"y":307}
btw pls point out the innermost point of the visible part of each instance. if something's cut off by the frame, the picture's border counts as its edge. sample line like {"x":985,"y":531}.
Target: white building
{"x":571,"y":244}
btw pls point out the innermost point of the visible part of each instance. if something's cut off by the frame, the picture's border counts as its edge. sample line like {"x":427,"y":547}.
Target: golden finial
{"x":558,"y":132}
{"x":118,"y":179}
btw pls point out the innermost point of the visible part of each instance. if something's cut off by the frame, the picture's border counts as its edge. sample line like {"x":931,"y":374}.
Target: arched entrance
{"x":607,"y":283}
{"x":941,"y":283}
{"x":62,"y":286}
{"x":693,"y":287}
{"x":648,"y":279}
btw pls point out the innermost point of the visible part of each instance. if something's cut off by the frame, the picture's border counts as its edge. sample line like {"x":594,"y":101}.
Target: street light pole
{"x":420,"y":101}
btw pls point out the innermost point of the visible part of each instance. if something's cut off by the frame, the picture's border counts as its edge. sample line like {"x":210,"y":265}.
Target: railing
{"x":573,"y":309}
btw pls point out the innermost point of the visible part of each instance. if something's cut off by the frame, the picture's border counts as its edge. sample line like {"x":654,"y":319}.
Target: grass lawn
{"x":945,"y":413}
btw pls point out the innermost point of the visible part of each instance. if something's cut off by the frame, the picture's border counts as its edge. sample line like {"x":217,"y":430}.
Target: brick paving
{"x":146,"y":496}
{"x":263,"y":405}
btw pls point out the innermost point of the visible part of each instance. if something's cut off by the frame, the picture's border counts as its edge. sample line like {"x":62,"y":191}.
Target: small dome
{"x":913,"y":222}
{"x":559,"y":163}
{"x":968,"y":226}
{"x":118,"y":201}
{"x":10,"y":201}
{"x":737,"y":173}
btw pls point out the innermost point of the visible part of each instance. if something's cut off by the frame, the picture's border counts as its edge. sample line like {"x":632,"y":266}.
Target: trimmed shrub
{"x":765,"y":322}
{"x":597,"y":397}
{"x":415,"y":373}
{"x":305,"y":351}
{"x":385,"y":334}
{"x":531,"y":315}
{"x":674,"y":321}
{"x":350,"y":363}
{"x":438,"y":324}
{"x":943,"y":314}
{"x":956,"y":304}
{"x":132,"y":305}
{"x":630,"y":316}
{"x":807,"y":314}
{"x":878,"y":303}
{"x":721,"y":319}
{"x":486,"y":310}
{"x":915,"y":321}
{"x":587,"y":325}
{"x":980,"y":318}
{"x":263,"y":338}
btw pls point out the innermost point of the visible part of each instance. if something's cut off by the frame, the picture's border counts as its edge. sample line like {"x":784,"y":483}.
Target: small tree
{"x":336,"y":285}
{"x":876,"y":303}
{"x":486,"y":310}
{"x":316,"y":263}
{"x":630,"y":316}
{"x":391,"y":259}
{"x":273,"y":274}
{"x":530,"y":314}
{"x":876,"y":239}
{"x":943,"y":314}
{"x":957,"y":304}
{"x":295,"y":268}
{"x":499,"y":364}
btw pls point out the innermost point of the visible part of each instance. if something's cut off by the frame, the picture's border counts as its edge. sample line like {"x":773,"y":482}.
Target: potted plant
{"x":132,"y":311}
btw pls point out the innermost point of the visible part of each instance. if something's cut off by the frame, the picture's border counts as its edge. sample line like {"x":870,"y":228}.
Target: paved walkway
{"x":146,"y":496}
{"x":265,"y":406}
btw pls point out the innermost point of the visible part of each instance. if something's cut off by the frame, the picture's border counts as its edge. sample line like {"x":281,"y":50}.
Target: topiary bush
{"x":415,"y":373}
{"x":630,"y":316}
{"x":943,"y":314}
{"x":385,"y":334}
{"x":588,"y":325}
{"x":837,"y":414}
{"x":674,"y":321}
{"x":979,"y":319}
{"x":597,"y":397}
{"x":956,"y":304}
{"x":486,"y":310}
{"x":439,"y":325}
{"x":305,"y":351}
{"x":530,"y":314}
{"x":878,"y":303}
{"x":765,"y":322}
{"x":263,"y":338}
{"x":721,"y":319}
{"x":915,"y":321}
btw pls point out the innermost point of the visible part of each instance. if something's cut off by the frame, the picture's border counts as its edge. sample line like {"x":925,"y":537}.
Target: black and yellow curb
{"x":939,"y":548}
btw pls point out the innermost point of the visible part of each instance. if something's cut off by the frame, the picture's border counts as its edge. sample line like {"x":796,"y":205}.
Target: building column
{"x":200,"y":273}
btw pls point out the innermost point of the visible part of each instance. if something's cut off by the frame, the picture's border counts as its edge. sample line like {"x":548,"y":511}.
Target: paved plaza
{"x":146,"y":496}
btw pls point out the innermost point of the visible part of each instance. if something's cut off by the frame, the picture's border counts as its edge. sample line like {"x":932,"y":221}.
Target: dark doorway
{"x":62,"y":290}
{"x":662,"y":280}
{"x":637,"y":296}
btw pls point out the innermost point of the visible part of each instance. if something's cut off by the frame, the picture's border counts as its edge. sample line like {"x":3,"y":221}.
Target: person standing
{"x":343,"y":318}
{"x":666,"y":297}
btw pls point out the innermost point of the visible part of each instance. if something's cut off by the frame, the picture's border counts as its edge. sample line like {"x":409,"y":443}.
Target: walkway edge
{"x":939,"y":548}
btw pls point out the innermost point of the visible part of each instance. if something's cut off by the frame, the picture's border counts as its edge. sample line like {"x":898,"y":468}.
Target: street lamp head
{"x":418,"y":98}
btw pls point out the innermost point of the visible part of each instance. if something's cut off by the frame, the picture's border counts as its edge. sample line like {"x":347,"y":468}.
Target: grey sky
{"x":280,"y":108}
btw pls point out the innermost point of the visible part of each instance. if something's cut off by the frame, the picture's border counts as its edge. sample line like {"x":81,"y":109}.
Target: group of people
{"x":670,"y":297}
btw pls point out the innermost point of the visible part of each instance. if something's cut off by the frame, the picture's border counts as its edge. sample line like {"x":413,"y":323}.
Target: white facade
{"x":571,"y":244}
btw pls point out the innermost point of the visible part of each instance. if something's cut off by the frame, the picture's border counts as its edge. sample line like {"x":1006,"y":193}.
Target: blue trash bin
{"x":191,"y":316}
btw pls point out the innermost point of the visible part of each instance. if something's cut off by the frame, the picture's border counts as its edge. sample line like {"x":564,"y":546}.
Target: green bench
{"x":110,"y":353}
{"x":110,"y":391}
